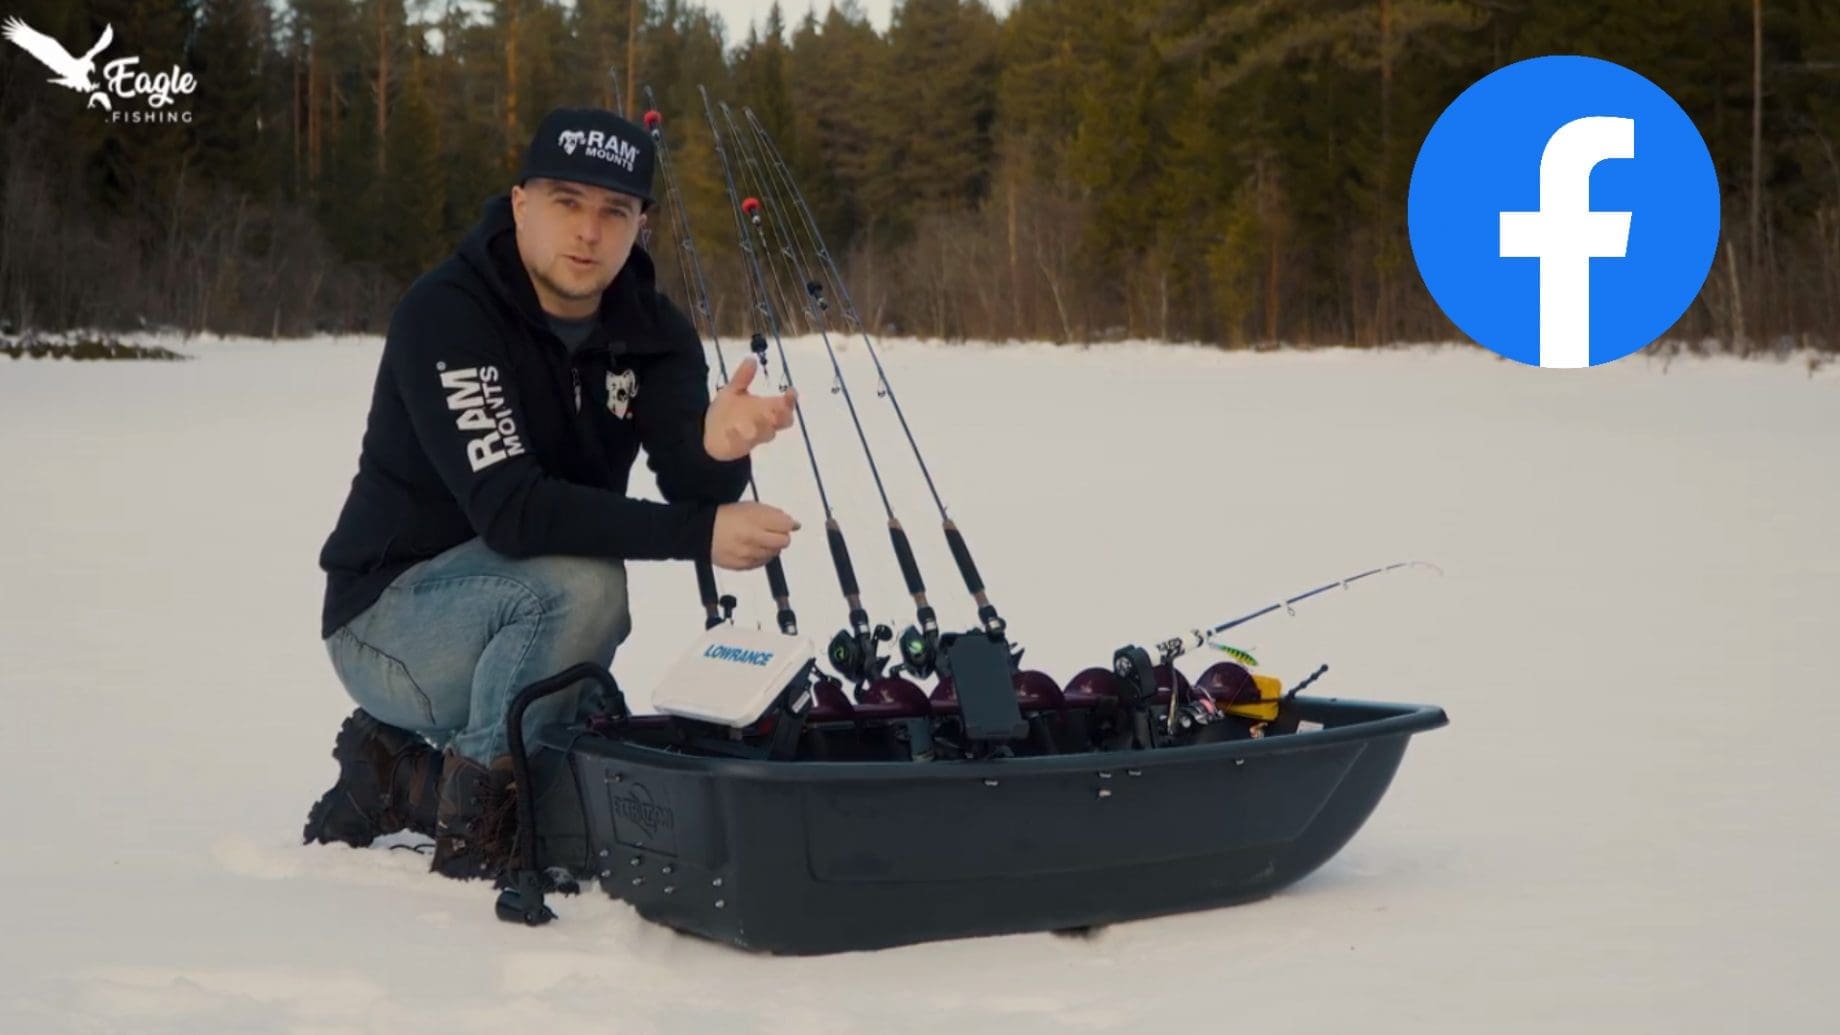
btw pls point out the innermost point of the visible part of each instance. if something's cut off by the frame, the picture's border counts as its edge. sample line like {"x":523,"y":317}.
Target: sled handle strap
{"x":522,"y":902}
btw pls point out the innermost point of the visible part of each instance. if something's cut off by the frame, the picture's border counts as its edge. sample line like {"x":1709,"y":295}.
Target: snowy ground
{"x":1629,"y":826}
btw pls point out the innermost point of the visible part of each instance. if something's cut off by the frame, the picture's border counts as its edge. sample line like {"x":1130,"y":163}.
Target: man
{"x":483,"y":542}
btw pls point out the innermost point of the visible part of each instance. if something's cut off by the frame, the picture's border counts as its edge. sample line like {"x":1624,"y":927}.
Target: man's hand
{"x":737,"y":422}
{"x":749,"y":535}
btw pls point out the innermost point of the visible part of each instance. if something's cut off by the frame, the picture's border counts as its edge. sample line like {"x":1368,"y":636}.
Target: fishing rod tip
{"x":751,"y":206}
{"x":652,"y":119}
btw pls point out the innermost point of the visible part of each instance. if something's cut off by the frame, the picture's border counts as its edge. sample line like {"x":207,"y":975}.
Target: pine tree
{"x":761,"y":82}
{"x":1234,"y":172}
{"x":938,"y":107}
{"x":136,"y":168}
{"x":230,"y":128}
{"x":413,"y":188}
{"x":835,"y":72}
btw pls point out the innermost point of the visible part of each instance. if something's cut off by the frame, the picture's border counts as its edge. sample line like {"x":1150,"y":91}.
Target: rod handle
{"x":962,"y":554}
{"x":904,"y":553}
{"x":706,"y":588}
{"x":840,"y":554}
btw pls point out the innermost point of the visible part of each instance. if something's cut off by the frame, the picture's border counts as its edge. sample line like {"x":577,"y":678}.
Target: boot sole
{"x":333,"y":817}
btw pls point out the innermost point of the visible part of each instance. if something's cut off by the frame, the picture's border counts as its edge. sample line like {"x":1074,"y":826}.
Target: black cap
{"x":591,"y":146}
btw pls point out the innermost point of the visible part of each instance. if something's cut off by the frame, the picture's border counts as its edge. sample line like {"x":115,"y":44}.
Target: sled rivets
{"x":1239,"y":761}
{"x":604,"y":853}
{"x":606,"y":873}
{"x":668,"y":889}
{"x":716,"y":883}
{"x":720,"y":903}
{"x":1105,"y":776}
{"x":636,"y":860}
{"x":990,"y":782}
{"x":638,"y":881}
{"x":668,"y":869}
{"x":1105,"y":792}
{"x":1133,"y":772}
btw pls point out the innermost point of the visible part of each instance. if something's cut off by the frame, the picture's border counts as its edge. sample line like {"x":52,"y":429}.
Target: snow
{"x":1628,"y":825}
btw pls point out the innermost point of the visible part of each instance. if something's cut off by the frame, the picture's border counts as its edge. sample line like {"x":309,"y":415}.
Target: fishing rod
{"x":1175,"y":646}
{"x":789,"y":301}
{"x":1132,"y":663}
{"x":853,"y":652}
{"x":696,"y":288}
{"x":955,"y":539}
{"x":919,"y":642}
{"x":717,"y":609}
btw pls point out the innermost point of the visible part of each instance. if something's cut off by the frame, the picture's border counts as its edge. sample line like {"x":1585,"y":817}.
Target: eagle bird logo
{"x":72,"y":72}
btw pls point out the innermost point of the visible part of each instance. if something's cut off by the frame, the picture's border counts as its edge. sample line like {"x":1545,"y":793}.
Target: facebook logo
{"x":1564,"y":212}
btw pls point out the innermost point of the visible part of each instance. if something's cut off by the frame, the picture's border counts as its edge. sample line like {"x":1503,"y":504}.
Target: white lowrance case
{"x":732,"y":675}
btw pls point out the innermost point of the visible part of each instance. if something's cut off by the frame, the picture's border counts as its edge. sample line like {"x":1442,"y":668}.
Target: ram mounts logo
{"x":621,"y":388}
{"x":476,"y":395}
{"x":596,"y":144}
{"x":121,"y":79}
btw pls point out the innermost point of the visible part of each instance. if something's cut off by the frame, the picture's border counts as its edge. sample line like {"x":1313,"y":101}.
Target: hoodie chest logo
{"x":622,"y":388}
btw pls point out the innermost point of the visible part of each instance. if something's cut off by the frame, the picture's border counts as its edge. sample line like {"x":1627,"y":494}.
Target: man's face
{"x":573,"y":239}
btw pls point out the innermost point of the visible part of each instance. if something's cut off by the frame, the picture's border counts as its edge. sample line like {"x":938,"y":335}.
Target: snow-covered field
{"x":1630,"y":825}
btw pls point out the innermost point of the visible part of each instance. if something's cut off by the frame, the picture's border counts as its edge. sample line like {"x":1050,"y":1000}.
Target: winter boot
{"x":476,"y":825}
{"x":387,"y":782}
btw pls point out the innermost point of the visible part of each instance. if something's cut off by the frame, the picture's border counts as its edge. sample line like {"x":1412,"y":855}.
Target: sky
{"x":737,"y":15}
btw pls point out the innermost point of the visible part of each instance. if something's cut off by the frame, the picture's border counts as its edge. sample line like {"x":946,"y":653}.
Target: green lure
{"x":1236,"y":654}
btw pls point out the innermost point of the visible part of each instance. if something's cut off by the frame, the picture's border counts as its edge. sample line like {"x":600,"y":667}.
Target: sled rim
{"x":1359,"y":722}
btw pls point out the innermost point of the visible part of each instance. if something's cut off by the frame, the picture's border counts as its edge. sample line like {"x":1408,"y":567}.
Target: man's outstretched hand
{"x":737,"y":422}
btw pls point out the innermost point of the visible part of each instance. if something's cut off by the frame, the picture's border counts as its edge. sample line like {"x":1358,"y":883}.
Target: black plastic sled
{"x":805,"y":857}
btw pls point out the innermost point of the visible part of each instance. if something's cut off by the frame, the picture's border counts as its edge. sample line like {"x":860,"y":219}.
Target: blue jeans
{"x":454,"y":638}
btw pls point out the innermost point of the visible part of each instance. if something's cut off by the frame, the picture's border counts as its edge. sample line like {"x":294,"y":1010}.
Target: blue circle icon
{"x":1564,"y":211}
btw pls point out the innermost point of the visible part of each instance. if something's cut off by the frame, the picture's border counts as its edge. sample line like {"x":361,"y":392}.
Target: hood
{"x":629,"y":306}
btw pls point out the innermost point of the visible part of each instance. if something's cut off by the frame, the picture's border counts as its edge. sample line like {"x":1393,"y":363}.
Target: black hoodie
{"x":482,"y":424}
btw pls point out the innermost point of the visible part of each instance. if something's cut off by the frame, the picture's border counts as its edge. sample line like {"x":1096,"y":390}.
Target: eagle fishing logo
{"x":120,"y":79}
